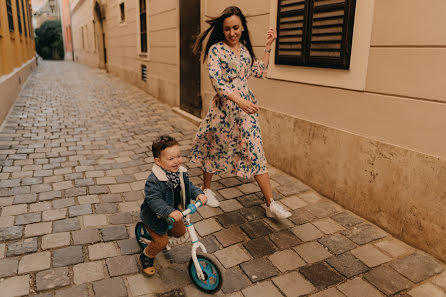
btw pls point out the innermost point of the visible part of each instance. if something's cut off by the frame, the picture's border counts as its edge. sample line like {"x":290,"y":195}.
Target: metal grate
{"x":143,"y":72}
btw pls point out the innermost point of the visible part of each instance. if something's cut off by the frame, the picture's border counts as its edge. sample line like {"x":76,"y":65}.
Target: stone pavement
{"x":74,"y":156}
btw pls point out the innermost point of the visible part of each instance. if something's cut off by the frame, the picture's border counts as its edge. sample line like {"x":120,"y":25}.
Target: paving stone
{"x":230,"y":182}
{"x":307,"y":232}
{"x":278,"y":225}
{"x":8,"y":233}
{"x":8,"y":267}
{"x":52,"y":278}
{"x":207,"y":212}
{"x":250,"y":200}
{"x":140,"y":285}
{"x":347,"y":265}
{"x":34,"y":262}
{"x":74,"y":291}
{"x":230,"y":205}
{"x":207,"y":227}
{"x":328,"y":226}
{"x":114,"y":233}
{"x":418,"y":266}
{"x":123,"y":218}
{"x":68,"y":256}
{"x":292,"y":188}
{"x":129,"y":206}
{"x":230,"y":236}
{"x":235,"y":280}
{"x":6,"y":221}
{"x":79,"y":210}
{"x":85,"y":236}
{"x":110,"y":287}
{"x":2,"y":250}
{"x":110,"y":198}
{"x":260,"y":247}
{"x":38,"y":229}
{"x":259,"y":269}
{"x":293,"y":202}
{"x":284,"y":239}
{"x":88,"y":272}
{"x":178,"y":254}
{"x":337,"y":243}
{"x":21,"y":247}
{"x":440,"y":281}
{"x":28,"y":218}
{"x":133,"y":196}
{"x":15,"y":286}
{"x":256,"y":229}
{"x":312,"y":252}
{"x":323,"y":209}
{"x":210,"y":243}
{"x":62,"y":203}
{"x":231,"y":219}
{"x":394,"y":247}
{"x":41,"y":187}
{"x":358,"y":288}
{"x":88,"y":199}
{"x":102,"y":250}
{"x":293,"y":284}
{"x":55,"y":240}
{"x":25,"y":198}
{"x":427,"y":289}
{"x":54,"y":214}
{"x":232,"y":256}
{"x":265,"y":288}
{"x":122,"y":265}
{"x":129,"y":246}
{"x":253,"y":213}
{"x":286,"y":260}
{"x":331,"y":292}
{"x":104,"y":208}
{"x":40,"y":206}
{"x":14,"y":210}
{"x":387,"y":280}
{"x":370,"y":255}
{"x":94,"y":220}
{"x":347,"y":219}
{"x":321,"y":275}
{"x":363,"y":234}
{"x":230,"y":193}
{"x":50,"y":195}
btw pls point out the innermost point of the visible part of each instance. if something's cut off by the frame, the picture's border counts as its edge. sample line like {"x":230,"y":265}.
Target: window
{"x":143,"y":25}
{"x":10,"y":18}
{"x":18,"y":16}
{"x":24,"y":19}
{"x":122,"y":9}
{"x":143,"y":72}
{"x":28,"y":11}
{"x":315,"y":33}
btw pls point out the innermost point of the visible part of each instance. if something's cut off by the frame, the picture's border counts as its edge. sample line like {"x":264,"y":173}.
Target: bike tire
{"x":141,"y":232}
{"x":211,"y":268}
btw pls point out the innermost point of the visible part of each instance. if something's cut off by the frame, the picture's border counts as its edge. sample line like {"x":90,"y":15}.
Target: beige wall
{"x":370,"y":138}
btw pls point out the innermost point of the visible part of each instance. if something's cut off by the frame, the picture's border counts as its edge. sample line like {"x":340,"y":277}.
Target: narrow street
{"x":74,"y":157}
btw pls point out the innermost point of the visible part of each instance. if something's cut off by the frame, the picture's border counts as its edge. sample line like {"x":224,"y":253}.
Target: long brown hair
{"x":217,"y":35}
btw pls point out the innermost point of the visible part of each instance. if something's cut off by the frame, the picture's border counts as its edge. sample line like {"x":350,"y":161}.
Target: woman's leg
{"x":265,"y":186}
{"x":207,"y":178}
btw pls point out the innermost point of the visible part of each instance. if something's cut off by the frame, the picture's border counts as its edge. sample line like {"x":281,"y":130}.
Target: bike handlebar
{"x":191,"y":208}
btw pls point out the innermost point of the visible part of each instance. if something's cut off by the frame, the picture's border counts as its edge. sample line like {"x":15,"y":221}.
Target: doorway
{"x":100,"y":37}
{"x":190,"y":91}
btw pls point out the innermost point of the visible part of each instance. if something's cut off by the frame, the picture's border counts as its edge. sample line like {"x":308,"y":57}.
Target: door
{"x":190,"y":93}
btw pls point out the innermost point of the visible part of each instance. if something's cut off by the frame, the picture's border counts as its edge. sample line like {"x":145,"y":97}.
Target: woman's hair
{"x":161,"y":143}
{"x":217,"y":34}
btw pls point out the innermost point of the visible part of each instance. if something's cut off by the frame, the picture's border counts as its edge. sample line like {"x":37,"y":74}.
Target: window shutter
{"x":323,"y":33}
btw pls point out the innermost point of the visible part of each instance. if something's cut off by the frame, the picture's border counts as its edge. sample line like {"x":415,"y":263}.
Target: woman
{"x":229,"y":139}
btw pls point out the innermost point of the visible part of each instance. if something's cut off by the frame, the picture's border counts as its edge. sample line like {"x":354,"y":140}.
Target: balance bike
{"x":202,"y":268}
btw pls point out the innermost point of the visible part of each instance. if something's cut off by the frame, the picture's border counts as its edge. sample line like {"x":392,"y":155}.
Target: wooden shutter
{"x":327,"y":30}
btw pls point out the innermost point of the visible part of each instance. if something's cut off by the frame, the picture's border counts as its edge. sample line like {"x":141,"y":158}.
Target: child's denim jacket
{"x":159,"y":197}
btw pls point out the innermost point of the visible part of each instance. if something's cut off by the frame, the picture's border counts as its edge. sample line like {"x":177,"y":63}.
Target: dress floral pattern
{"x":229,"y":139}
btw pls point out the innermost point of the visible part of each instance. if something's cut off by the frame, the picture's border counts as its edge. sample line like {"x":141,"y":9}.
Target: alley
{"x":74,"y":157}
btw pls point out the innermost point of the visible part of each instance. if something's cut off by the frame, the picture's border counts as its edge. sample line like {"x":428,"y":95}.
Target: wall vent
{"x":144,"y":72}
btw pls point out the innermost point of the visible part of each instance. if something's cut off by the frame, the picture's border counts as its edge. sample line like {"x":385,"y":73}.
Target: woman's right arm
{"x":220,"y":85}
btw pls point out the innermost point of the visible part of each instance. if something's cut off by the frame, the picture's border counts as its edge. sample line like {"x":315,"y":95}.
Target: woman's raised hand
{"x":246,"y":106}
{"x":271,"y":35}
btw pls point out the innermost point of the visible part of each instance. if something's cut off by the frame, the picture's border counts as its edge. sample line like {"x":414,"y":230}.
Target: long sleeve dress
{"x":229,"y":139}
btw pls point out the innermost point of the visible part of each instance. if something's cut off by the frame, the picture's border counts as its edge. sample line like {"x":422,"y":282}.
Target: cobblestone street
{"x":74,"y":157}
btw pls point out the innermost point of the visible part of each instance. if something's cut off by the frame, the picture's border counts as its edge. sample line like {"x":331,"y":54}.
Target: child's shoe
{"x":276,"y":210}
{"x":147,"y":264}
{"x":212,"y":200}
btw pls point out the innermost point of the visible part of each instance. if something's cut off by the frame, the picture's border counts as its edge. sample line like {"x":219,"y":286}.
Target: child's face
{"x":170,"y":159}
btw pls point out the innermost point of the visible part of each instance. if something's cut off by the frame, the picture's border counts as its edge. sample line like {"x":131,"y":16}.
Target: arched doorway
{"x":99,"y":36}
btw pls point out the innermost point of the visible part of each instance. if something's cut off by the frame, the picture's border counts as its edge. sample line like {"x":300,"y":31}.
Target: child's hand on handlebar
{"x":202,"y":198}
{"x":176,"y":215}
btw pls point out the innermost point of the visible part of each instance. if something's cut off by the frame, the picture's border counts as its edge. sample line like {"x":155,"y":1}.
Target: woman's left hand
{"x":271,"y":35}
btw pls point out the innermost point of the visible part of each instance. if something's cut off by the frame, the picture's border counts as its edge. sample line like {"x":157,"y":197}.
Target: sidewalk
{"x":74,"y":157}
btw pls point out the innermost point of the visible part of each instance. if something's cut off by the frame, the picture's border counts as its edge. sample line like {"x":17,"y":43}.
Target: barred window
{"x":10,"y":18}
{"x":24,"y":19}
{"x":315,"y":33}
{"x":18,"y":15}
{"x":143,"y":25}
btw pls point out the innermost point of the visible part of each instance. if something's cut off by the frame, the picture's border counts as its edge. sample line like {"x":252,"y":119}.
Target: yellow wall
{"x":17,"y":56}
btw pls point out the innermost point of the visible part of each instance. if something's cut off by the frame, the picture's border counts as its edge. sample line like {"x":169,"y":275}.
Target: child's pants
{"x":159,"y":241}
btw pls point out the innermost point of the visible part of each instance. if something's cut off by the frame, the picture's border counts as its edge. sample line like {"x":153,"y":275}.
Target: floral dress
{"x":229,"y":139}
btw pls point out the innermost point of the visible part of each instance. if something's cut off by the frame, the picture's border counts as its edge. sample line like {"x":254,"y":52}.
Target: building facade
{"x":17,"y":50}
{"x":354,"y":87}
{"x":66,"y":29}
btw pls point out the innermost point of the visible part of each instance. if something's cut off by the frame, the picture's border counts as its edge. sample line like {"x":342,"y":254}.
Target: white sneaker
{"x":212,"y":200}
{"x":277,"y":211}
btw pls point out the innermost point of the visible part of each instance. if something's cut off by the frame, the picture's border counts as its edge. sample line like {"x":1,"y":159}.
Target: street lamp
{"x":52,"y":4}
